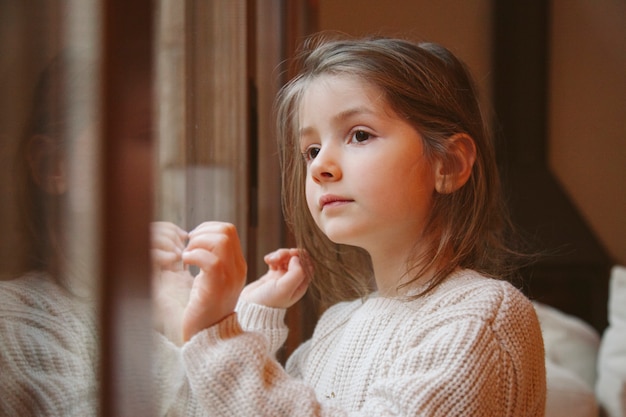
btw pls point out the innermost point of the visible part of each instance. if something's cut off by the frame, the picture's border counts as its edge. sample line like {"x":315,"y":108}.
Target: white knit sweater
{"x":48,"y":350}
{"x":473,"y":347}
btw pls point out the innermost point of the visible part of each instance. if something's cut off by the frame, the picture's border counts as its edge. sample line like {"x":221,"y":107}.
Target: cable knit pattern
{"x":49,"y":356}
{"x":48,"y":350}
{"x":472,"y":347}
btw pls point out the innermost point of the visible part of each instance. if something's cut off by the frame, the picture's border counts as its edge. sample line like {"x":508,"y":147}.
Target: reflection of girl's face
{"x":52,"y":163}
{"x":47,"y":164}
{"x":82,"y":168}
{"x":368,"y":182}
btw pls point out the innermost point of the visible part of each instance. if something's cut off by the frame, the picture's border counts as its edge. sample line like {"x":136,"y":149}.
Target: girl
{"x":390,"y":186}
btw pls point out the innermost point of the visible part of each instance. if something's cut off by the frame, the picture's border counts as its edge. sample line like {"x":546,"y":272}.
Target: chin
{"x":342,"y":238}
{"x":343,"y":234}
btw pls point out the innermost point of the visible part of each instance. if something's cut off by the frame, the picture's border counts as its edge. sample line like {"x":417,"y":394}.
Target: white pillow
{"x":611,"y":385}
{"x":569,"y":342}
{"x":568,"y":395}
{"x":571,"y":347}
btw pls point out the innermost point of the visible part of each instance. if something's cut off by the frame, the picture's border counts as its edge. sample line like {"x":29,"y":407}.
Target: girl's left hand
{"x":284,"y":283}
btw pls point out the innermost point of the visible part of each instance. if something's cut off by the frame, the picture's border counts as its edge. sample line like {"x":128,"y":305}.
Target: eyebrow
{"x":340,"y":117}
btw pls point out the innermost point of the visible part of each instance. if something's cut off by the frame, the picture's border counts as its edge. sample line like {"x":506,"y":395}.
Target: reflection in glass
{"x":48,"y":323}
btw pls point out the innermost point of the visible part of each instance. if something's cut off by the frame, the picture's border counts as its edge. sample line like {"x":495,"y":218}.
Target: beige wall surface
{"x":462,"y":26}
{"x":587,"y":121}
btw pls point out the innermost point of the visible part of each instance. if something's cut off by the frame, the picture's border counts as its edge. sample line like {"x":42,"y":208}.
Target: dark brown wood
{"x":300,"y":21}
{"x":126,"y":131}
{"x":573,"y":269}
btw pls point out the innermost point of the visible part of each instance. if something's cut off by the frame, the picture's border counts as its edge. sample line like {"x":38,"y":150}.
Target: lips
{"x":332,"y":200}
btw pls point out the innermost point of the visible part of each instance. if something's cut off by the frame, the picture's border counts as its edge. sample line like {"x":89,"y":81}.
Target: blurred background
{"x":179,"y":99}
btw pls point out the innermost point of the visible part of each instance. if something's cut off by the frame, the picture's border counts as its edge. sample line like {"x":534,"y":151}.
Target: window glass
{"x":49,"y":338}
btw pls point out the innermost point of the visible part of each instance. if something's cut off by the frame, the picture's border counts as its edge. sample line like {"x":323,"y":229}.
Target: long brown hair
{"x":55,"y":97}
{"x":41,"y":211}
{"x":433,"y":90}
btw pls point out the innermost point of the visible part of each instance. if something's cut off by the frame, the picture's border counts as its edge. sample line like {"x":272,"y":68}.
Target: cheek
{"x":405,"y":189}
{"x":310,"y":198}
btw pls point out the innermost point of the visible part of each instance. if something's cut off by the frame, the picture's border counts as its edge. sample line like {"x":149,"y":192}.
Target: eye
{"x":311,"y":152}
{"x":360,"y":136}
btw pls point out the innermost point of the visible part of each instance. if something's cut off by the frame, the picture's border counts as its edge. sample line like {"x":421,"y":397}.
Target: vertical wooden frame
{"x":300,"y":21}
{"x":127,"y":206}
{"x":266,"y":77}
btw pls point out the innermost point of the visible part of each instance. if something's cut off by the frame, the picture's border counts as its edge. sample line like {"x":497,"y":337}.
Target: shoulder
{"x":470,"y":304}
{"x":480,"y":296}
{"x":499,"y":308}
{"x":37,"y":311}
{"x":465,"y":295}
{"x":36,"y":293}
{"x":337,"y":313}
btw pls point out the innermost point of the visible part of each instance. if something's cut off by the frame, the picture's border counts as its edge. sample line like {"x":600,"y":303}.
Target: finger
{"x":214,"y":227}
{"x":166,"y":242}
{"x":221,"y":238}
{"x":294,"y":276}
{"x":168,"y":228}
{"x":229,"y":266}
{"x":279,"y":259}
{"x":165,"y":257}
{"x":295,"y":282}
{"x":167,"y":236}
{"x":204,"y":259}
{"x":214,"y":247}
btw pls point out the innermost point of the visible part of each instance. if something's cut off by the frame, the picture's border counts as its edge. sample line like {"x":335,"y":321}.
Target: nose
{"x":325,"y":167}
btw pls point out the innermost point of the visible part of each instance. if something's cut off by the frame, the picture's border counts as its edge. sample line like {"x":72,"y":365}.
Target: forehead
{"x":337,"y":93}
{"x":342,"y":83}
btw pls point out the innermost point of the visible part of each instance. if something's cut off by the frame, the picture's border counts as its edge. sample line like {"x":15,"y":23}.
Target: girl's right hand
{"x":215,"y":249}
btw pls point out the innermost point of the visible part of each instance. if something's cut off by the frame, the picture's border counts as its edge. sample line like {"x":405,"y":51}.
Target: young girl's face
{"x":368,"y":181}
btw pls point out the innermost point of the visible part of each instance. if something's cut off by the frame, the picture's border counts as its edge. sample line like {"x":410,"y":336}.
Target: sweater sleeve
{"x":172,"y":394}
{"x":266,"y":320}
{"x":459,"y":370}
{"x":171,"y":385}
{"x":46,"y":368}
{"x":469,"y":365}
{"x":232,"y":374}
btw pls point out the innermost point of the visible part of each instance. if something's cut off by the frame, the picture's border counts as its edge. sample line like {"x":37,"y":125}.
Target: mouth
{"x":332,"y":200}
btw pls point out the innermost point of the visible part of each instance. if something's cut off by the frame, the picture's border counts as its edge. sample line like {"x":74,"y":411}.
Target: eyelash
{"x":353,"y":139}
{"x":307,"y":153}
{"x":356,"y":132}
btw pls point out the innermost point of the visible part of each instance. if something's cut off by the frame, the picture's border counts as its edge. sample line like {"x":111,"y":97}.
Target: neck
{"x":392,"y":270}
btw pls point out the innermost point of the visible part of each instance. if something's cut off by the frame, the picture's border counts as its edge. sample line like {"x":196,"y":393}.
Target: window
{"x":155,"y":110}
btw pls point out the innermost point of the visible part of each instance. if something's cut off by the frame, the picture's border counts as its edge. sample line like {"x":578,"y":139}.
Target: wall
{"x":587,"y":120}
{"x":587,"y":128}
{"x":464,"y":27}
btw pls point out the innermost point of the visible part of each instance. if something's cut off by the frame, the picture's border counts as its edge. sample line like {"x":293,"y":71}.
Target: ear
{"x":47,"y":165}
{"x":452,"y":172}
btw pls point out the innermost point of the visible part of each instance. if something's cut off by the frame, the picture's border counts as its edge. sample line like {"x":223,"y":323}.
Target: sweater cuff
{"x":212,"y":345}
{"x":226,"y":329}
{"x":257,"y":317}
